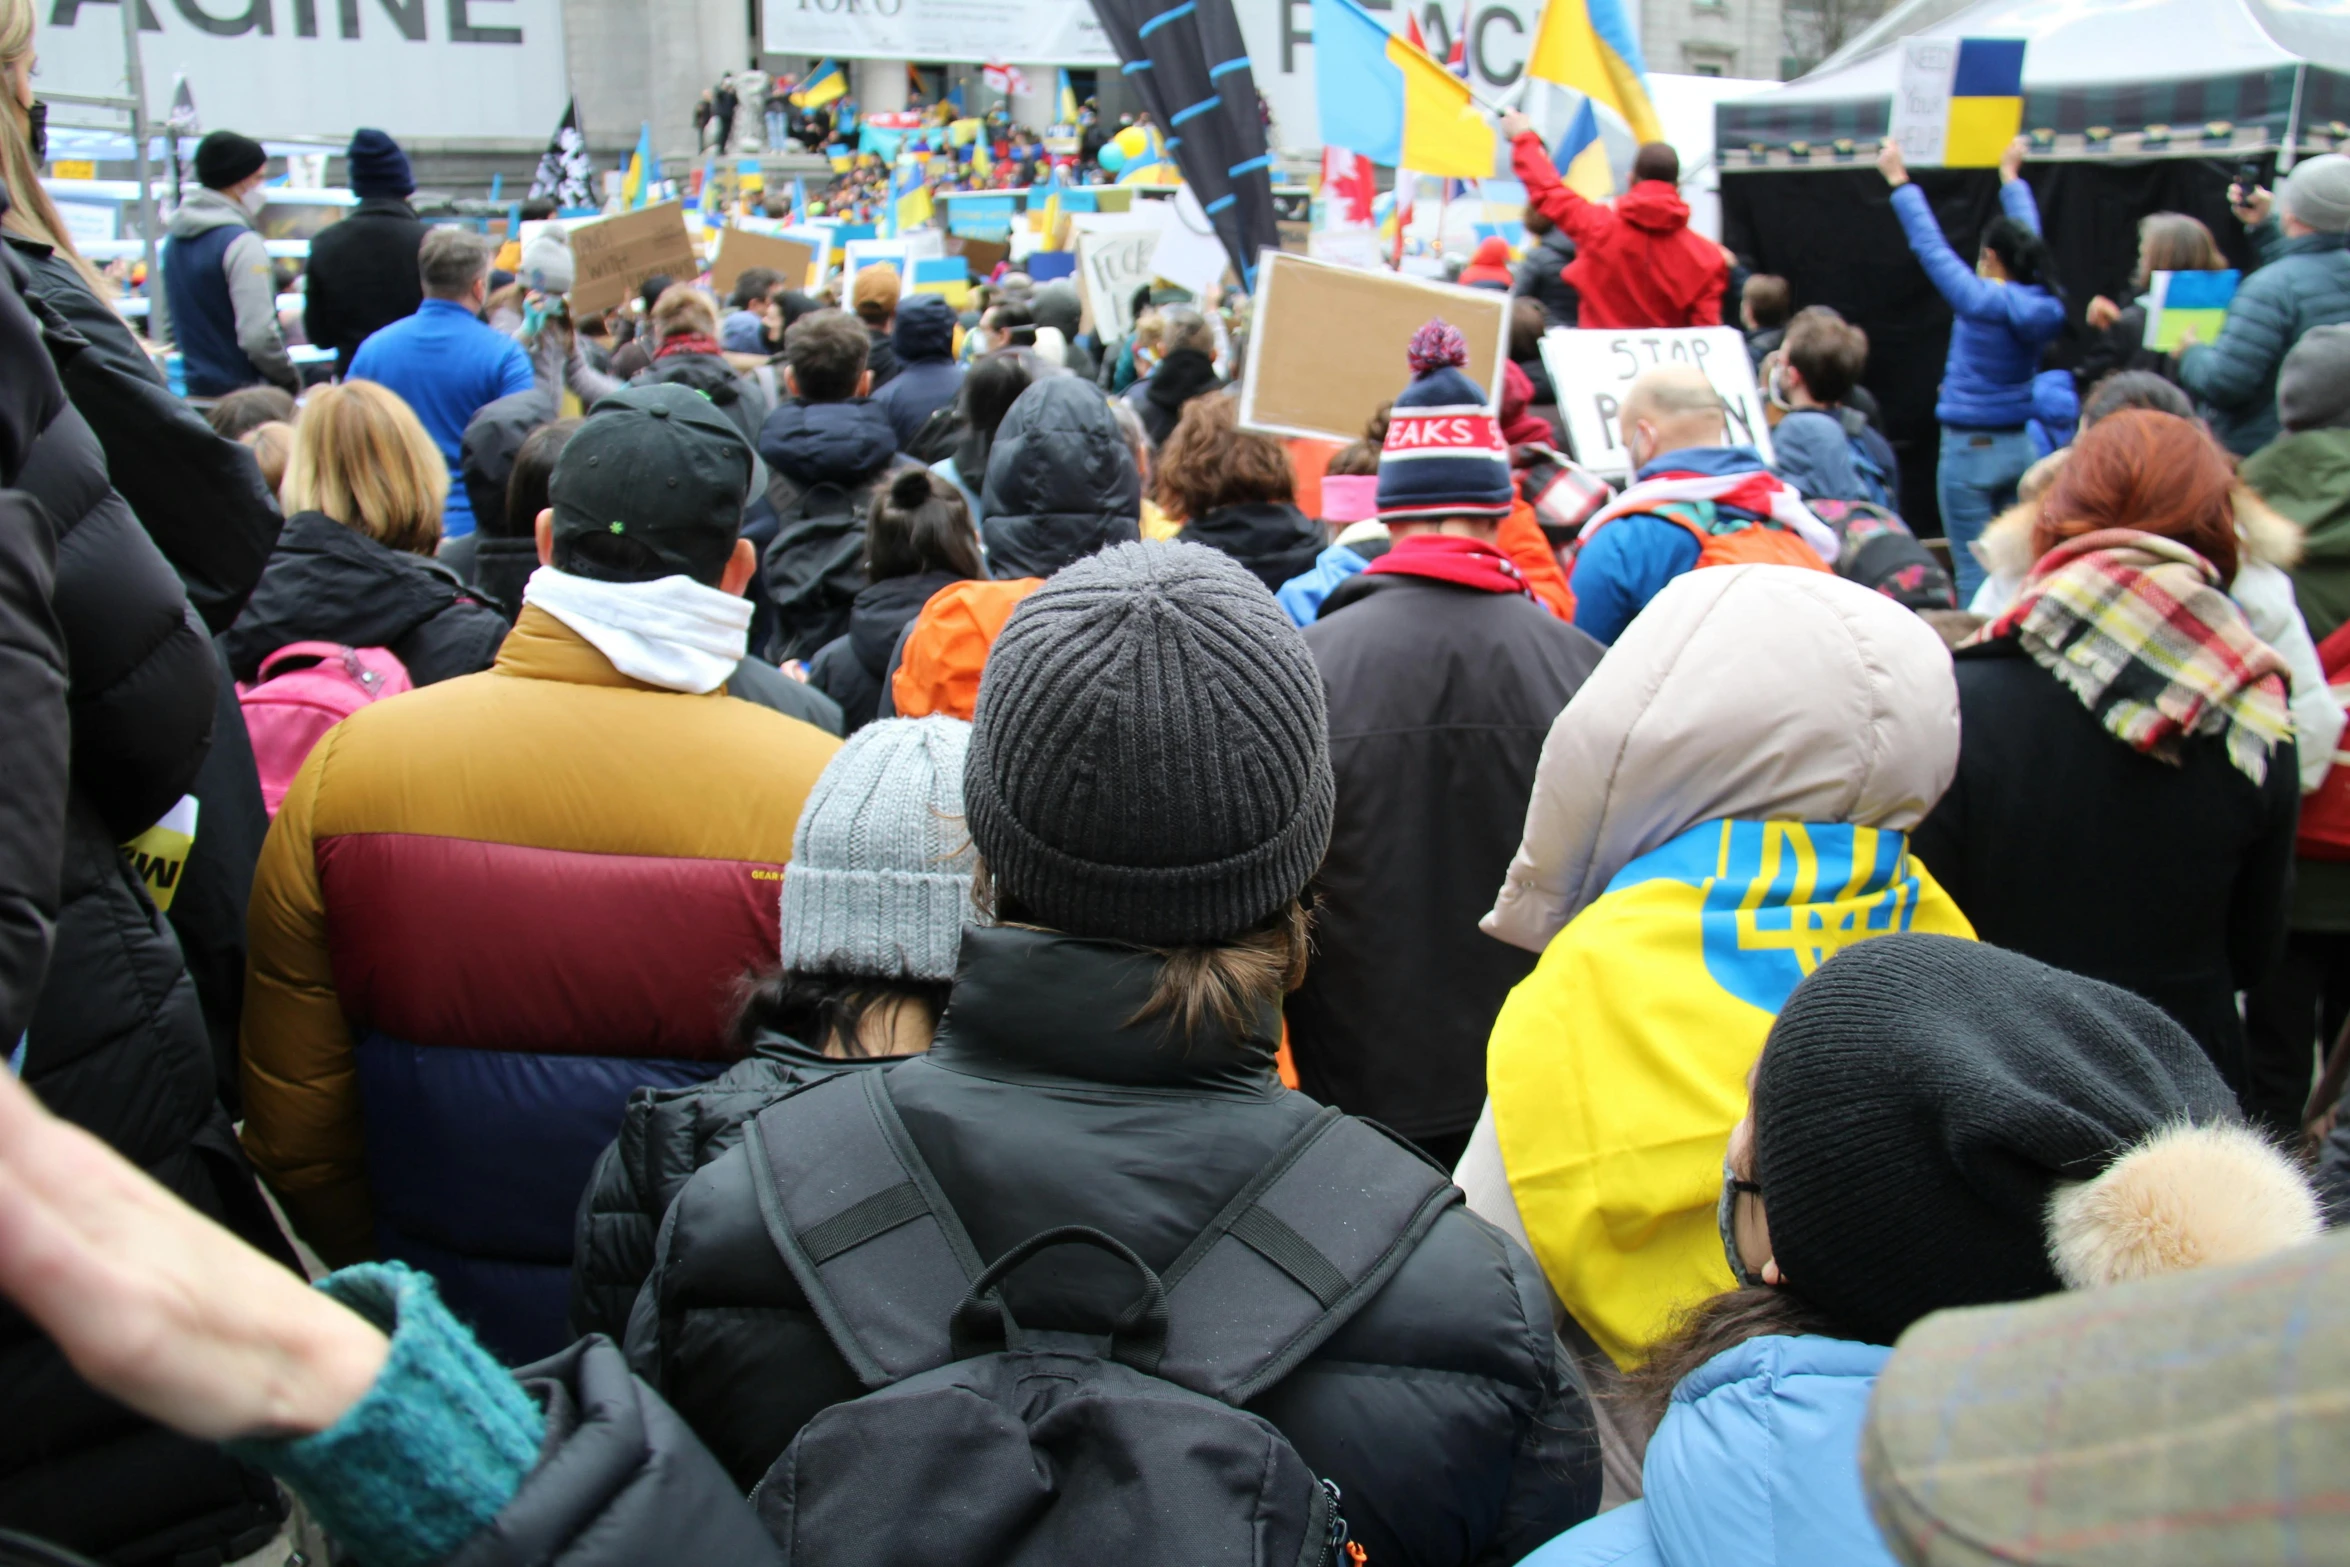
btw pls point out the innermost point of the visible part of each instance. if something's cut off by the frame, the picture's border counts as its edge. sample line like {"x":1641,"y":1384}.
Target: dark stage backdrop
{"x":1831,"y":233}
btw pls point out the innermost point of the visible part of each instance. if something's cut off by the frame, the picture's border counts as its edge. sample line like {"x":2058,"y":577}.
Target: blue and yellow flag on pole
{"x":1617,"y":1068}
{"x":825,"y":83}
{"x":1593,"y":46}
{"x":644,"y":171}
{"x":1393,"y":103}
{"x":1066,"y":100}
{"x":1581,"y":157}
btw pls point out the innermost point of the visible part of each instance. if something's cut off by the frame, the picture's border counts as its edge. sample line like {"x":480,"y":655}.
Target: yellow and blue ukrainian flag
{"x":1581,"y":157}
{"x":644,"y":170}
{"x":1593,"y":46}
{"x":1393,"y":103}
{"x":1986,"y":102}
{"x":1066,"y":100}
{"x":825,"y":83}
{"x":1618,"y":1067}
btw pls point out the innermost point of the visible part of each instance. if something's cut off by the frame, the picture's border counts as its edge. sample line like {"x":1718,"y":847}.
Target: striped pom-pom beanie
{"x":1444,"y":455}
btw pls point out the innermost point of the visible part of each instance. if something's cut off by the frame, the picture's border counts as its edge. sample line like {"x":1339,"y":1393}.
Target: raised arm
{"x":1952,"y":278}
{"x":1583,"y":221}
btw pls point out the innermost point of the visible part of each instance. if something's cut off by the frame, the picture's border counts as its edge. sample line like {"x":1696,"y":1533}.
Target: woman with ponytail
{"x":918,"y":539}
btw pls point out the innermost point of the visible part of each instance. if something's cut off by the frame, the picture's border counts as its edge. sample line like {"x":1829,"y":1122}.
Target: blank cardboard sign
{"x":739,"y":250}
{"x":611,"y":256}
{"x":1326,"y":344}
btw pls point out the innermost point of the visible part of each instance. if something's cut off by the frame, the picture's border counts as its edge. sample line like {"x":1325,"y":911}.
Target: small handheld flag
{"x":825,"y":83}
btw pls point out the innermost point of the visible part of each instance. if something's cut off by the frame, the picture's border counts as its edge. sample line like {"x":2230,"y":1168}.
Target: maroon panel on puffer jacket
{"x":492,"y":946}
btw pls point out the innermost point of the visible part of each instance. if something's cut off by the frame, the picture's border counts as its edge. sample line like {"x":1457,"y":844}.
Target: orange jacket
{"x":947,"y":649}
{"x":1521,"y":538}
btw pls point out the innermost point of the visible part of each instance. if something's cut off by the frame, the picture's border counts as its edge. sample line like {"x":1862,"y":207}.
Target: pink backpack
{"x":300,"y":692}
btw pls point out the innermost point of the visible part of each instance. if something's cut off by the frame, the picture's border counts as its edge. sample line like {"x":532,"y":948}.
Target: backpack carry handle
{"x":303,"y":655}
{"x":1138,"y":1337}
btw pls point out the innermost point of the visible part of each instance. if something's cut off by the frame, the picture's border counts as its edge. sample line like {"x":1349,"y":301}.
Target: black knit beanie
{"x":224,"y":157}
{"x":1919,"y":1099}
{"x":1150,"y":757}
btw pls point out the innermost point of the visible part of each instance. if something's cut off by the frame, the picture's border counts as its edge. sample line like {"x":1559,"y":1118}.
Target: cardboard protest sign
{"x":611,"y":256}
{"x":1594,"y":370}
{"x":1326,"y":346}
{"x":739,"y":250}
{"x":983,"y":255}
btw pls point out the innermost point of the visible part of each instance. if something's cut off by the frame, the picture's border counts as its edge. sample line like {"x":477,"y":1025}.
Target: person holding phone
{"x":2303,"y":282}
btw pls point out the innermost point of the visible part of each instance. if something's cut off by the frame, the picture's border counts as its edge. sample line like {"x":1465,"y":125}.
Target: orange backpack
{"x":1739,"y":541}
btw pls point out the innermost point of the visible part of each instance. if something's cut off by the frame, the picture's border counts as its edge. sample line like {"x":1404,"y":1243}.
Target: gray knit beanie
{"x":880,"y":876}
{"x":2318,"y":193}
{"x":1150,"y":758}
{"x":2313,"y":384}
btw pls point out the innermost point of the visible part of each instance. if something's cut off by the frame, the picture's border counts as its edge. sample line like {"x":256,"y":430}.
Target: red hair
{"x":2154,"y":472}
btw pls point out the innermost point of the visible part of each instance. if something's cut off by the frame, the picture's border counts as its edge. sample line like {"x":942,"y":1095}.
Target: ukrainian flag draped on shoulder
{"x":1592,"y":46}
{"x":1618,"y":1067}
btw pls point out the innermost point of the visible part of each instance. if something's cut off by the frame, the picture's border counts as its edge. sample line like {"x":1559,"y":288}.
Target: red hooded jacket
{"x":1636,"y":262}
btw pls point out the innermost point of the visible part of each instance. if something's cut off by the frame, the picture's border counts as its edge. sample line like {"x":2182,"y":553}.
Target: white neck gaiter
{"x":674,"y":633}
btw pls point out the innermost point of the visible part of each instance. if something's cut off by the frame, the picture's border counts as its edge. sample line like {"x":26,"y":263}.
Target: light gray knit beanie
{"x":1150,"y":756}
{"x":880,"y":876}
{"x":2318,"y":192}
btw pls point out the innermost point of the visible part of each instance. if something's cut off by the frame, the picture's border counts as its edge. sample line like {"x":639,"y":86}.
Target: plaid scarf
{"x":2139,"y":628}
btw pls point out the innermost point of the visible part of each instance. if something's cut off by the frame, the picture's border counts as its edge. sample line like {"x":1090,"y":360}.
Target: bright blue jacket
{"x":1995,"y":342}
{"x":446,"y":365}
{"x":1629,"y":561}
{"x":1302,"y":595}
{"x":1757,"y":1462}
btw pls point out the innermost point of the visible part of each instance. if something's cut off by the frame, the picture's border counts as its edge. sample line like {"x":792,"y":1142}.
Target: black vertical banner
{"x":1186,"y":60}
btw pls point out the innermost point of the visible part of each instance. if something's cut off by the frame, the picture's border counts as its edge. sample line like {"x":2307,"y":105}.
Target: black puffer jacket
{"x":850,"y":667}
{"x":1159,"y":398}
{"x":1273,"y":539}
{"x":329,"y":583}
{"x":1061,"y":482}
{"x":1441,"y":1409}
{"x":32,"y":694}
{"x":824,"y":461}
{"x":117,"y":1040}
{"x":667,"y":1134}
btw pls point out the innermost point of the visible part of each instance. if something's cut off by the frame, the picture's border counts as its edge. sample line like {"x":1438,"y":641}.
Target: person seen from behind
{"x":362,"y":274}
{"x":1637,"y":262}
{"x":1826,"y":449}
{"x":873,"y":298}
{"x":453,"y":991}
{"x":442,"y":361}
{"x":2007,"y":308}
{"x":1350,"y":516}
{"x":1764,"y":304}
{"x":356,"y":563}
{"x":1443,"y":674}
{"x":1186,"y":368}
{"x":1234,"y":492}
{"x":990,"y":387}
{"x":2057,"y":1134}
{"x":1695,"y":500}
{"x":2128,"y":787}
{"x":928,"y":378}
{"x":919,"y":538}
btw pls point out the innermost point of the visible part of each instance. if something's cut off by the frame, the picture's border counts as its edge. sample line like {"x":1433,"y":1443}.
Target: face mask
{"x":1778,"y":387}
{"x":1726,"y":1219}
{"x":254,"y":200}
{"x":37,"y":129}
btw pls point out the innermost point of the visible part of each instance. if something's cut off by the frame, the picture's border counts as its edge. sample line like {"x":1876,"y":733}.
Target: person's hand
{"x":2187,"y":339}
{"x":2251,"y":207}
{"x":2101,"y":314}
{"x":1890,"y":165}
{"x":1516,"y":123}
{"x":158,"y":1306}
{"x":2011,"y":160}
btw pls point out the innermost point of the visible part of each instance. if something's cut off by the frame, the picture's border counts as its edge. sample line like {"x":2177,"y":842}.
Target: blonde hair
{"x":683,"y":309}
{"x":363,"y":458}
{"x":30,"y":211}
{"x":273,"y":448}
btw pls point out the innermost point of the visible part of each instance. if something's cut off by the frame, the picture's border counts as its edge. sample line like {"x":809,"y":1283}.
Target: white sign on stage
{"x":1921,"y":100}
{"x":298,"y":69}
{"x":1594,"y":370}
{"x":974,"y":32}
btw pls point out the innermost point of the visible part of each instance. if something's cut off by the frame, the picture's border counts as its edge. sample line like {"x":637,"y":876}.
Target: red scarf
{"x":1467,"y":563}
{"x":688,"y":343}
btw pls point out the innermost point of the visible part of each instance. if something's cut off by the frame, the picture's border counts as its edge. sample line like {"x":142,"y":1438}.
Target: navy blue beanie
{"x":1444,"y":455}
{"x":378,"y":166}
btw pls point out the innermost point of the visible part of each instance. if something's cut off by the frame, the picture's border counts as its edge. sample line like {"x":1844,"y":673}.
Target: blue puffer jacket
{"x":1758,"y":1461}
{"x":1995,"y":342}
{"x":2306,"y":285}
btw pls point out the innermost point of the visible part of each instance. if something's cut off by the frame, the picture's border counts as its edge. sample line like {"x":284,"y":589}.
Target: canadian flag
{"x":1349,"y":187}
{"x":1005,"y":79}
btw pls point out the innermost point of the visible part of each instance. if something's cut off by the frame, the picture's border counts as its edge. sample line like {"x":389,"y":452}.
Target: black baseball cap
{"x":659,"y":465}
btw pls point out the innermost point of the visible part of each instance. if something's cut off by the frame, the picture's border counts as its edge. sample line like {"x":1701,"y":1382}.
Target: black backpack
{"x":935,"y":440}
{"x":977,"y":1444}
{"x":816,"y":567}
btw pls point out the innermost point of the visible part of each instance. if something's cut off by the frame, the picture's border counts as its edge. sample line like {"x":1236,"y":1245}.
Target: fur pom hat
{"x":1943,"y":1123}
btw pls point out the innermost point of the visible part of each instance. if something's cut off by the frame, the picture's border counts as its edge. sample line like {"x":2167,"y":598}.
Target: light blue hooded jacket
{"x":1756,"y":1463}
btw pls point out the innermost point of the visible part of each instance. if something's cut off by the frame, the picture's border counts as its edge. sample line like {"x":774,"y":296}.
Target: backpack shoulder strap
{"x":1297,"y":1253}
{"x":862,"y":1224}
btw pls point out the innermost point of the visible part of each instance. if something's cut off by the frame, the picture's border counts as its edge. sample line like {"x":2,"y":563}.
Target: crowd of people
{"x":794,"y":927}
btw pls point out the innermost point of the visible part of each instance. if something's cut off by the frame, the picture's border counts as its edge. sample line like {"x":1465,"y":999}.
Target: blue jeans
{"x":1974,"y":482}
